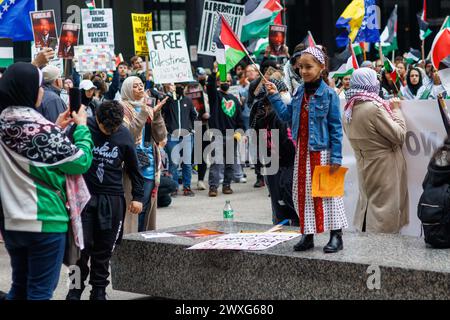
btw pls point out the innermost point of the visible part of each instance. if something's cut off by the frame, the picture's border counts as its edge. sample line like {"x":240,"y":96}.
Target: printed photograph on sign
{"x":68,"y":40}
{"x":169,"y":57}
{"x":44,"y":29}
{"x":277,"y":39}
{"x":233,"y":13}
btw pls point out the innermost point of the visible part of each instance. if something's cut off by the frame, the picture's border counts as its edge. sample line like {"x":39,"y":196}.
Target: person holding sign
{"x":317,"y":129}
{"x":376,"y":130}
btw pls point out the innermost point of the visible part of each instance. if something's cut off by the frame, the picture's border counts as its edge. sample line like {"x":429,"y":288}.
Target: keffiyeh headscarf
{"x":316,"y":53}
{"x":364,"y":86}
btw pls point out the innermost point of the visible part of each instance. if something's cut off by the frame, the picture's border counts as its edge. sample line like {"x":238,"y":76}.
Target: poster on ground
{"x":233,"y":13}
{"x":68,"y":40}
{"x":142,"y":23}
{"x":44,"y":29}
{"x":97,"y":26}
{"x":169,"y":57}
{"x":94,"y":58}
{"x":245,"y":241}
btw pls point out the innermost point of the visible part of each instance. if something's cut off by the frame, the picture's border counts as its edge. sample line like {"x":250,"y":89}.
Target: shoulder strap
{"x":35,"y":179}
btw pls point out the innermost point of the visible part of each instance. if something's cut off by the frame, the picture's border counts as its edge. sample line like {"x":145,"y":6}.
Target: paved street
{"x":249,"y":204}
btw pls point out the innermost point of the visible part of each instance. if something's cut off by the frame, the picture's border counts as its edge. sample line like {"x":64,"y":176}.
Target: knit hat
{"x":51,"y":73}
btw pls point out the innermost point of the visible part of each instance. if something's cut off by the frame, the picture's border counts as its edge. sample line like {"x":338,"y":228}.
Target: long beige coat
{"x":159,"y":133}
{"x":377,"y":141}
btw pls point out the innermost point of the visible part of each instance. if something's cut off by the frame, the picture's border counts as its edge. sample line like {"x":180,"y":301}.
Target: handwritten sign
{"x":97,"y":26}
{"x":94,"y":58}
{"x":169,"y":57}
{"x":142,"y":23}
{"x":245,"y":241}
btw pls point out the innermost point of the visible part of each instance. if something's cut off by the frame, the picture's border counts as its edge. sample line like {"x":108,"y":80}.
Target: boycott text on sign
{"x":425,"y":133}
{"x":169,"y":57}
{"x":233,"y":13}
{"x":142,"y":23}
{"x":97,"y":26}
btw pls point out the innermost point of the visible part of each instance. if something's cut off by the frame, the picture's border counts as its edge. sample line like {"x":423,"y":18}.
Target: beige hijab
{"x":129,"y":103}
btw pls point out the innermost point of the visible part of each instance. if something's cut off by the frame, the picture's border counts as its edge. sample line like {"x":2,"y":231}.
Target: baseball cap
{"x":87,"y":85}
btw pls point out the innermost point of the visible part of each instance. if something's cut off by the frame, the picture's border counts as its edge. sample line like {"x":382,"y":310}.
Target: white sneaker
{"x":201,"y":185}
{"x":242,"y":180}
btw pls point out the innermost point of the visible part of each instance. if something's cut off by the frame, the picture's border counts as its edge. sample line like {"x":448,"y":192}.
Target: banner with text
{"x":233,"y":13}
{"x":425,"y":133}
{"x":94,"y":58}
{"x":169,"y":57}
{"x":97,"y":26}
{"x":142,"y":23}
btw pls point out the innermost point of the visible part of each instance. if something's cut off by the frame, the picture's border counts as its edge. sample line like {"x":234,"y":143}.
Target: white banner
{"x":425,"y":134}
{"x":169,"y":57}
{"x":233,"y":13}
{"x":97,"y":26}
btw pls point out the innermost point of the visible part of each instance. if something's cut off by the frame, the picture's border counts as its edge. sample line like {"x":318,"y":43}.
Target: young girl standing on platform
{"x":316,"y":126}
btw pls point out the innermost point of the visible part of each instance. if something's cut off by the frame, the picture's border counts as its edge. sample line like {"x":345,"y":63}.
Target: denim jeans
{"x":175,"y":145}
{"x":36,"y":260}
{"x":228,"y":169}
{"x":149,"y":185}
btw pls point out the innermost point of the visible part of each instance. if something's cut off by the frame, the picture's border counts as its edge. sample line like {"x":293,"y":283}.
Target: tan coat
{"x":377,"y":141}
{"x":159,"y":133}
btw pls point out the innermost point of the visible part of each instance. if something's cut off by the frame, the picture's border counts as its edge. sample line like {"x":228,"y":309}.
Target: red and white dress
{"x":316,"y":215}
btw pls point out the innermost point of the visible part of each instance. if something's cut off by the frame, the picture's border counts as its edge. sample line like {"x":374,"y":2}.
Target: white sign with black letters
{"x":97,"y":26}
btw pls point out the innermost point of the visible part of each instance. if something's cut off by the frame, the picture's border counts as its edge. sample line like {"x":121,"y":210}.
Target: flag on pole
{"x":259,"y":15}
{"x":388,"y":37}
{"x":15,"y":21}
{"x":6,"y":53}
{"x":423,"y":24}
{"x":229,"y":49}
{"x":392,"y":71}
{"x":90,"y":4}
{"x":445,"y":24}
{"x":440,"y":50}
{"x":350,"y":20}
{"x":351,"y":64}
{"x":258,"y":47}
{"x":309,"y":41}
{"x":355,"y":63}
{"x":412,"y":56}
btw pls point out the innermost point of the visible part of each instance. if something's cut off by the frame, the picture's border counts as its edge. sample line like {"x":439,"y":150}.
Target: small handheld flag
{"x":90,"y":4}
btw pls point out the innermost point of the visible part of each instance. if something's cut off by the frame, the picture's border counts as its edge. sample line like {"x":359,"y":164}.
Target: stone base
{"x":164,"y":268}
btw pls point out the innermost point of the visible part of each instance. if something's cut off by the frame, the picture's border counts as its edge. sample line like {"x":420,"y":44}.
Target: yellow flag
{"x":141,"y":24}
{"x":352,"y":18}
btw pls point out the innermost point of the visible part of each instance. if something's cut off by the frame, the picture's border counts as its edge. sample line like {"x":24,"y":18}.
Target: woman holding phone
{"x":148,"y":130}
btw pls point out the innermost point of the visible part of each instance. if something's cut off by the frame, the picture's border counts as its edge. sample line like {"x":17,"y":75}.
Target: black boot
{"x":98,"y":293}
{"x":305,"y":243}
{"x":3,"y":295}
{"x":335,"y":244}
{"x":74,"y":294}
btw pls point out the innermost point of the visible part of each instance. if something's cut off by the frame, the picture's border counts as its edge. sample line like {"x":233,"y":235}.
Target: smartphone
{"x":151,"y":102}
{"x":74,"y":99}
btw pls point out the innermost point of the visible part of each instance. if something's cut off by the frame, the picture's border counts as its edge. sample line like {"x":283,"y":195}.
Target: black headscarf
{"x":19,"y":86}
{"x":412,"y":87}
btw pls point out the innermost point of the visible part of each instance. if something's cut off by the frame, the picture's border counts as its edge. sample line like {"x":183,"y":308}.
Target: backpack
{"x":434,"y":207}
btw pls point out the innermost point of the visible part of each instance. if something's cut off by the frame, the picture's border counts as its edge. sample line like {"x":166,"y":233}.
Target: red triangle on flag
{"x":441,"y":47}
{"x":228,"y":38}
{"x":273,"y":5}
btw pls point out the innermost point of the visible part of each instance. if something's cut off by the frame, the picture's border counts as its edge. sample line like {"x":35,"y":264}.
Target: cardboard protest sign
{"x":245,"y":241}
{"x":44,"y":29}
{"x":142,"y":23}
{"x":277,"y":39}
{"x":68,"y":40}
{"x":94,"y":58}
{"x":233,"y":13}
{"x":169,"y":57}
{"x":97,"y":26}
{"x":234,"y":90}
{"x":57,"y":62}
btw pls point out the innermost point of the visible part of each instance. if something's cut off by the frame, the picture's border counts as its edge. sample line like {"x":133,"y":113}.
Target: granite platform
{"x":162,"y":267}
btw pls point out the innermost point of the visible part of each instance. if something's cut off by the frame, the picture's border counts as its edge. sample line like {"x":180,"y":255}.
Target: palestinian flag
{"x":413,"y":56}
{"x":350,"y":66}
{"x":388,"y":38}
{"x":229,"y":49}
{"x":6,"y":53}
{"x":423,"y":24}
{"x":258,"y":47}
{"x":259,"y":15}
{"x":444,"y":74}
{"x":90,"y":4}
{"x":392,"y":70}
{"x":440,"y":50}
{"x":309,"y":41}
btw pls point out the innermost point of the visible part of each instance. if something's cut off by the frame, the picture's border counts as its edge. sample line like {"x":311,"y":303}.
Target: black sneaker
{"x":74,"y":294}
{"x":259,"y":183}
{"x":98,"y":293}
{"x":3,"y":295}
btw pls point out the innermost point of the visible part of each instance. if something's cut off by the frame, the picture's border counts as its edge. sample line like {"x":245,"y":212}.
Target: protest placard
{"x":198,"y":100}
{"x":57,"y":62}
{"x":277,"y":39}
{"x":245,"y":241}
{"x":233,"y":13}
{"x":68,"y":40}
{"x":142,"y":23}
{"x":169,"y":57}
{"x":97,"y":26}
{"x":44,"y":29}
{"x":94,"y":58}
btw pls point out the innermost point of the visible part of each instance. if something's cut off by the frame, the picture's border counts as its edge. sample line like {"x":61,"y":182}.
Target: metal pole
{"x":103,"y":4}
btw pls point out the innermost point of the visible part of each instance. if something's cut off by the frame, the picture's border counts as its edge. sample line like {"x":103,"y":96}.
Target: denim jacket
{"x":325,"y":126}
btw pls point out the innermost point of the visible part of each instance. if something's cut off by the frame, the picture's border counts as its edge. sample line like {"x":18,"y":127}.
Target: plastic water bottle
{"x":228,"y":217}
